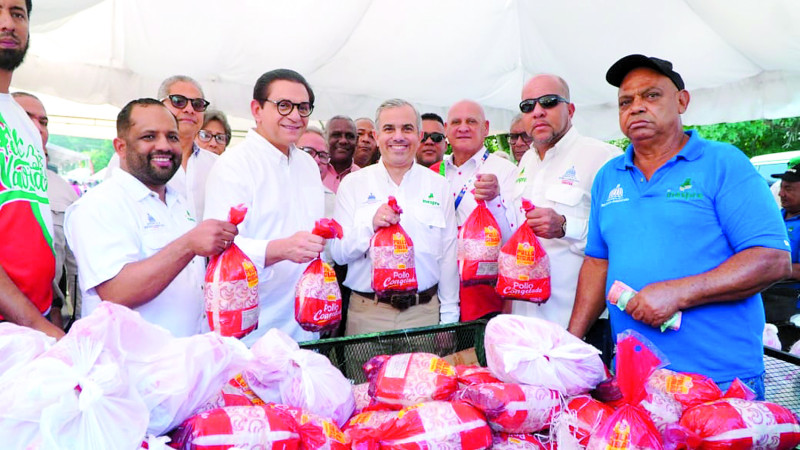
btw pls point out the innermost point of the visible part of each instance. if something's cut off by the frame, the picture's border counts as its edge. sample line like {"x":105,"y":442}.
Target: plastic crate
{"x":782,"y":379}
{"x":349,"y":353}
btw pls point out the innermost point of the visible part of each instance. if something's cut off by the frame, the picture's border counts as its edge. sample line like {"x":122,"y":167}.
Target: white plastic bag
{"x":533,"y":351}
{"x":770,"y":336}
{"x":175,"y":376}
{"x":88,"y":403}
{"x":19,"y":345}
{"x":284,"y":373}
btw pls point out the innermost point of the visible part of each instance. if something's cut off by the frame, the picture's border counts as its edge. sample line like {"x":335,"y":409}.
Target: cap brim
{"x":790,"y":177}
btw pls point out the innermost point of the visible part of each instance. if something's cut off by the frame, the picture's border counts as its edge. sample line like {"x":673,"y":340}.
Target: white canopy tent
{"x":740,"y":58}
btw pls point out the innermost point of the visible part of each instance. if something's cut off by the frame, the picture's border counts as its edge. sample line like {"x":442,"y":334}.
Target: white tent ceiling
{"x":740,"y":58}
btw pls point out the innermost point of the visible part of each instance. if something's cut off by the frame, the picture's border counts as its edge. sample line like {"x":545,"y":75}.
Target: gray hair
{"x":315,"y":130}
{"x":219,"y":116}
{"x":365,"y":118}
{"x":339,"y":117}
{"x":396,"y":103}
{"x":163,"y":90}
{"x":515,"y":119}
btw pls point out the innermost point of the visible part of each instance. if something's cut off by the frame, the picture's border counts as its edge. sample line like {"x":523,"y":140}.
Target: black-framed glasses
{"x":513,"y":137}
{"x":285,"y":107}
{"x":547,"y":102}
{"x":206,"y":136}
{"x":435,"y":137}
{"x":324,"y":157}
{"x":180,"y":102}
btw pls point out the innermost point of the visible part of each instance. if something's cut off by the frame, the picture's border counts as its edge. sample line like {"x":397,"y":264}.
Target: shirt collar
{"x":271,"y":152}
{"x":690,"y":152}
{"x":385,"y":173}
{"x":477,"y":157}
{"x":136,"y":189}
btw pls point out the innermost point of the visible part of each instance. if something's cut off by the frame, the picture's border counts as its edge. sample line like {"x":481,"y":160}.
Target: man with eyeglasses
{"x":557,"y":175}
{"x":341,"y":134}
{"x":366,"y":152}
{"x":27,"y":264}
{"x":518,"y":138}
{"x":690,"y":225}
{"x":184,"y":97}
{"x":281,"y":187}
{"x":313,"y":142}
{"x":472,"y":168}
{"x":434,"y":144}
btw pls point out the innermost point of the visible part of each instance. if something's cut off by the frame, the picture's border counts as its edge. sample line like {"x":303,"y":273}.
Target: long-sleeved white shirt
{"x":428,"y":217}
{"x":283,"y":196}
{"x":501,"y":207}
{"x":191,"y":182}
{"x":562,"y":181}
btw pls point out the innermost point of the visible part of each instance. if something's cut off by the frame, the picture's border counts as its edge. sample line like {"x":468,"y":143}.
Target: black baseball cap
{"x":792,"y":174}
{"x":621,"y":68}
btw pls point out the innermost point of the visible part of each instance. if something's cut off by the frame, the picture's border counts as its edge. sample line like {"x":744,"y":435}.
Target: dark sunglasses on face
{"x":513,"y":137}
{"x":547,"y":102}
{"x":180,"y":102}
{"x":285,"y":107}
{"x":206,"y":136}
{"x":435,"y":137}
{"x":322,"y":156}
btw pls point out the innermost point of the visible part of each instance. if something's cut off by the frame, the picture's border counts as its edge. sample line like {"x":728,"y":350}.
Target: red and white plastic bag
{"x":574,"y":424}
{"x":523,"y":266}
{"x":478,"y":247}
{"x":231,"y":289}
{"x":256,"y":426}
{"x":392,"y":254}
{"x":511,"y":407}
{"x":410,"y":378}
{"x":317,"y":299}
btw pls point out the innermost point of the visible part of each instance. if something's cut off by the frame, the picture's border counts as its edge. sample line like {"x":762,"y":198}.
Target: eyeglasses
{"x":180,"y":102}
{"x":285,"y":107}
{"x":206,"y":136}
{"x":323,"y":157}
{"x":547,"y":102}
{"x":513,"y":137}
{"x":435,"y":137}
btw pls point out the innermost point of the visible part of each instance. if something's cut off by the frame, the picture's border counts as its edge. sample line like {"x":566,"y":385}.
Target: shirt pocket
{"x":154,"y":240}
{"x":569,"y":200}
{"x":432,"y":225}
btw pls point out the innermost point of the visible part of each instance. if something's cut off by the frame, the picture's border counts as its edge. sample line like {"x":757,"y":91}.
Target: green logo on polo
{"x":685,"y":191}
{"x":522,"y":178}
{"x":430,"y":200}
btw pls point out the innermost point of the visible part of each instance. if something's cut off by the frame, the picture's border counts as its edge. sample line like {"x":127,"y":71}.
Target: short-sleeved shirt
{"x":26,"y":246}
{"x":793,"y":230}
{"x":700,"y":208}
{"x":122,"y":221}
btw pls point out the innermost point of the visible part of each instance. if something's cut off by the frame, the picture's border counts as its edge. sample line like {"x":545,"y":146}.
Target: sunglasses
{"x":180,"y":102}
{"x":547,"y":102}
{"x":285,"y":107}
{"x":206,"y":136}
{"x":435,"y":137}
{"x":322,"y":156}
{"x":513,"y":137}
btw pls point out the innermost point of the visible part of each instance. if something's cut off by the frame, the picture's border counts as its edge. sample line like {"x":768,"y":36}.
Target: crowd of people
{"x":686,"y":222}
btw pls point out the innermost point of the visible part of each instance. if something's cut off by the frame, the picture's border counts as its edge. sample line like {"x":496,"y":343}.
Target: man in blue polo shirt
{"x":790,"y":201}
{"x":690,"y":225}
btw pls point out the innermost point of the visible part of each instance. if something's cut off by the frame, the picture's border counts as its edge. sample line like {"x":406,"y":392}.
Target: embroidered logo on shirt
{"x":615,"y":196}
{"x":371,"y":198}
{"x":521,"y":178}
{"x":152,"y":223}
{"x":430,"y":200}
{"x":684,"y":191}
{"x":570,"y":177}
{"x":189,"y":216}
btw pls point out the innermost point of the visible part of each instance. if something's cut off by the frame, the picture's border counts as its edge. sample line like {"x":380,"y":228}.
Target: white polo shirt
{"x":562,"y":181}
{"x":428,"y":217}
{"x":283,"y":196}
{"x":191,"y":182}
{"x":122,"y":221}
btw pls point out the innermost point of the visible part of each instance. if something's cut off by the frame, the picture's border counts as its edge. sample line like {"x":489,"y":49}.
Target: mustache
{"x":10,"y":35}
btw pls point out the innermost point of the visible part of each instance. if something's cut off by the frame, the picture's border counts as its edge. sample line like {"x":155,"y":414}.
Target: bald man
{"x":469,"y":167}
{"x":557,"y":175}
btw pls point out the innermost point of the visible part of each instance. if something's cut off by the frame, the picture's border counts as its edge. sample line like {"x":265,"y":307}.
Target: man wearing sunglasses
{"x":557,"y":177}
{"x":690,"y":225}
{"x":518,"y":138}
{"x":433,"y":144}
{"x":280,"y":185}
{"x":183,"y":96}
{"x":27,"y":264}
{"x":472,"y":168}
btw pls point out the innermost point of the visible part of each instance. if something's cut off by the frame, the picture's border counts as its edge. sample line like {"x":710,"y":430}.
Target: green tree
{"x":100,"y":150}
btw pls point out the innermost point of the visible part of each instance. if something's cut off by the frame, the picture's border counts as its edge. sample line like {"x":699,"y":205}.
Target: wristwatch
{"x":564,"y":226}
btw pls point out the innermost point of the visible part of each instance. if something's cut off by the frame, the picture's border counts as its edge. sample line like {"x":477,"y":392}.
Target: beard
{"x":11,"y":58}
{"x":142,"y":168}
